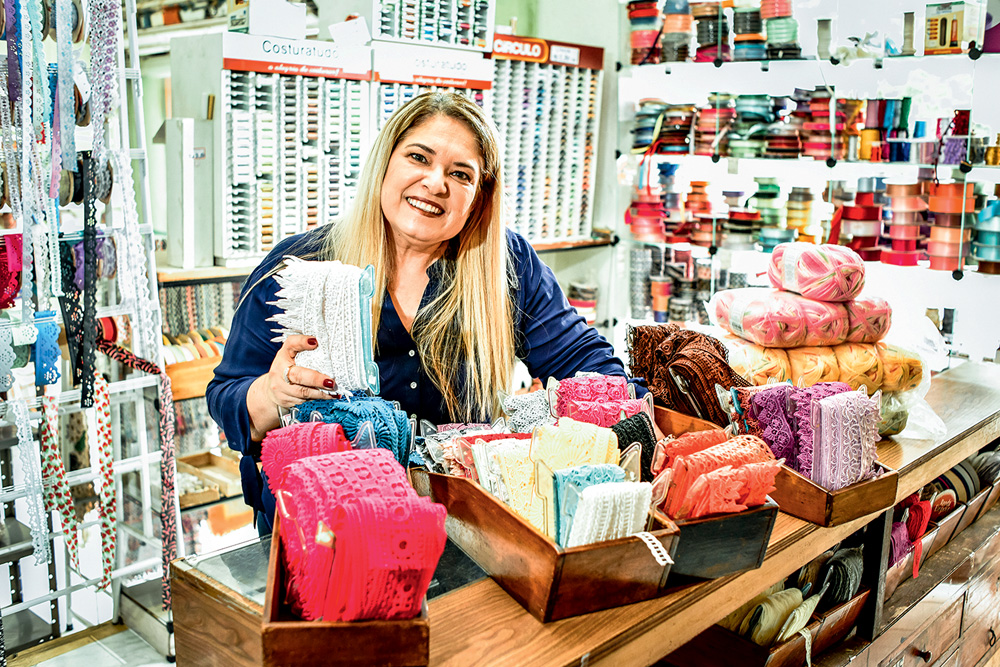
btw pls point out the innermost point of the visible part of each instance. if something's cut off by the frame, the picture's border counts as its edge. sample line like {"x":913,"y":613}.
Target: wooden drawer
{"x":977,"y":642}
{"x":933,"y":642}
{"x":982,"y":599}
{"x":953,"y":659}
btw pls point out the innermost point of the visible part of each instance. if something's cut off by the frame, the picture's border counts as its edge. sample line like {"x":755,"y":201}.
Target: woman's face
{"x":431,"y":182}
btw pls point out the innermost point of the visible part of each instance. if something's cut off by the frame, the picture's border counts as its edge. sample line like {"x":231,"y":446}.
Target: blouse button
{"x":413,"y":353}
{"x":413,"y":385}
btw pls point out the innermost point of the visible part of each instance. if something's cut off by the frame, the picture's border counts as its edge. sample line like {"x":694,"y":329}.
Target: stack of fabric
{"x":376,"y":542}
{"x":815,"y":326}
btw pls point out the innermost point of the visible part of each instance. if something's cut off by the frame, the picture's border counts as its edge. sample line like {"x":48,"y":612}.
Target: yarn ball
{"x":821,"y":272}
{"x":860,"y":366}
{"x":868,"y":319}
{"x":902,"y":370}
{"x":780,"y":319}
{"x":758,"y":364}
{"x":812,"y":365}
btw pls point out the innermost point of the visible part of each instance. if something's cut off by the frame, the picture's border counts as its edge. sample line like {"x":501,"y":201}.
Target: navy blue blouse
{"x":553,"y":340}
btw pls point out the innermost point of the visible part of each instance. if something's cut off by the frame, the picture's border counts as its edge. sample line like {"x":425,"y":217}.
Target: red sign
{"x":531,"y":49}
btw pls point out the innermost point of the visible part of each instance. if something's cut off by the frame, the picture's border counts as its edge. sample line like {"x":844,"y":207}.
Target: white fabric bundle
{"x":323,"y":300}
{"x":610,"y":511}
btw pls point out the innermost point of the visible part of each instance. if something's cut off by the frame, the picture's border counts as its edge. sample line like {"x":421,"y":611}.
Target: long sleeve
{"x":553,"y":339}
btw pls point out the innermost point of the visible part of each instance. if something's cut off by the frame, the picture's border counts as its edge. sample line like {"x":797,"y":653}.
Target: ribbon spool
{"x":906,"y":245}
{"x":945,"y":263}
{"x":862,"y":212}
{"x":81,"y":109}
{"x":950,"y":235}
{"x":80,"y":21}
{"x":953,"y":220}
{"x":947,"y":204}
{"x":953,"y":190}
{"x":904,"y":231}
{"x":907,"y":204}
{"x":901,"y":258}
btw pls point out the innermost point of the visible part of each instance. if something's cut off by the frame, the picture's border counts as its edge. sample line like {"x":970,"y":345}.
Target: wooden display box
{"x":550,"y":582}
{"x":219,"y":470}
{"x":946,"y":528}
{"x":800,"y":496}
{"x":903,"y":569}
{"x":189,"y":379}
{"x":209,"y":495}
{"x":719,"y":647}
{"x":972,"y":509}
{"x":715,"y":546}
{"x":288,"y":640}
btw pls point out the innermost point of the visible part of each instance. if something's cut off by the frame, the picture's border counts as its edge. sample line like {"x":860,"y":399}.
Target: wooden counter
{"x":482,"y":625}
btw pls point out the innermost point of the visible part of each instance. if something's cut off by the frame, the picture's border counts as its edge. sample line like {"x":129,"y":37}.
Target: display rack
{"x":288,"y":133}
{"x":546,"y":104}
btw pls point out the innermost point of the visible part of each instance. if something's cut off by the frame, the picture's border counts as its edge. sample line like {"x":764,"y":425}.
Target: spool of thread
{"x":843,"y":576}
{"x":901,"y":258}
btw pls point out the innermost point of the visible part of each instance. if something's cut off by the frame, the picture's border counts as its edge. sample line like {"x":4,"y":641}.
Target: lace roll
{"x":59,"y":499}
{"x":593,"y":388}
{"x":771,"y":614}
{"x":605,"y":413}
{"x":822,"y":272}
{"x":813,"y":365}
{"x":578,"y":479}
{"x":283,"y":446}
{"x":638,"y":428}
{"x":472,"y":451}
{"x":610,"y":511}
{"x":736,"y":452}
{"x":771,"y":409}
{"x":669,"y":449}
{"x":901,"y":370}
{"x":106,"y":495}
{"x":843,"y":575}
{"x":759,"y":365}
{"x":392,"y":426}
{"x":801,"y":402}
{"x":846,"y":427}
{"x":571,"y":443}
{"x":798,"y":619}
{"x":527,"y":411}
{"x":860,"y":366}
{"x":336,"y":325}
{"x":31,"y":469}
{"x":779,"y":319}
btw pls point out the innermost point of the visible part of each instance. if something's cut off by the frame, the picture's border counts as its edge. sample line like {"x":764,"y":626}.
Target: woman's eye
{"x":461,"y":175}
{"x":418,"y":157}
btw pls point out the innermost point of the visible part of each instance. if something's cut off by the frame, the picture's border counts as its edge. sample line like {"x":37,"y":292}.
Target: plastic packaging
{"x":779,"y":319}
{"x":868,"y":319}
{"x":821,"y":272}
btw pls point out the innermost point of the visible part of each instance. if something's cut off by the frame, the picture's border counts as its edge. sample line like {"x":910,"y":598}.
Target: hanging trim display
{"x":59,"y":498}
{"x":33,"y":482}
{"x":106,"y":495}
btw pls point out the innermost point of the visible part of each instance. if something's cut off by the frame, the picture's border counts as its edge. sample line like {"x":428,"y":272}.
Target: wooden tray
{"x":903,"y":569}
{"x":715,"y":546}
{"x":719,"y":647}
{"x":189,"y":379}
{"x":991,"y":499}
{"x":209,"y":495}
{"x":972,"y":510}
{"x":550,"y":582}
{"x":288,"y":640}
{"x":219,"y":470}
{"x":801,"y":497}
{"x":946,"y":528}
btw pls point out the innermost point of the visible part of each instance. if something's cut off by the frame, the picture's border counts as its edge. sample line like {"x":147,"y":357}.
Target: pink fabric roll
{"x":774,"y":318}
{"x":868,"y":319}
{"x":821,"y":272}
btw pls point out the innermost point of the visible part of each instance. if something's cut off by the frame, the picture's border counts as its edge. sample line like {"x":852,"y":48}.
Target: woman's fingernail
{"x":329,"y":384}
{"x":313,"y":341}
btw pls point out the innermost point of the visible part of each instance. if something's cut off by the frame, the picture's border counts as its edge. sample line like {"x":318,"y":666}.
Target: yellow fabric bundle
{"x":735,"y":619}
{"x":774,"y":611}
{"x":902,"y":370}
{"x":860,"y":366}
{"x":810,"y":365}
{"x":756,"y":363}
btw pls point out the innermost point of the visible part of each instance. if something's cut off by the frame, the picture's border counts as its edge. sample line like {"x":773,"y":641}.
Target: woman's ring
{"x":285,"y":376}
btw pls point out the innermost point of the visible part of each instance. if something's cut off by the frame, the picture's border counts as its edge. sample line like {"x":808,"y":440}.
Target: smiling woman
{"x":458,"y":297}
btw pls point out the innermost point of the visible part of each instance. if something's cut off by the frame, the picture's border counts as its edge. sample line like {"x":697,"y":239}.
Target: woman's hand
{"x":285,"y":385}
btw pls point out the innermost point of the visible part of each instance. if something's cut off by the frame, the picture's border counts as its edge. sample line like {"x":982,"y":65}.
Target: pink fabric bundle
{"x":821,"y":272}
{"x":780,"y":319}
{"x":868,"y":319}
{"x":282,"y":446}
{"x":594,"y":388}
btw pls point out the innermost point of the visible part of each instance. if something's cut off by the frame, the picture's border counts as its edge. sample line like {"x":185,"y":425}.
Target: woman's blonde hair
{"x":465,"y":336}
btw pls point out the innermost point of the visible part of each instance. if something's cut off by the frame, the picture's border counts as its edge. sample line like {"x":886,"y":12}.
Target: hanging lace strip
{"x":40,"y":92}
{"x":168,"y":466}
{"x":12,"y":177}
{"x":10,"y":269}
{"x":3,"y":646}
{"x":106,"y":496}
{"x":104,"y":18}
{"x":89,"y":332}
{"x":53,"y":470}
{"x":47,"y":353}
{"x":72,"y":313}
{"x":13,"y":36}
{"x":7,"y":358}
{"x":133,"y":277}
{"x":66,"y":119}
{"x":32,"y":481}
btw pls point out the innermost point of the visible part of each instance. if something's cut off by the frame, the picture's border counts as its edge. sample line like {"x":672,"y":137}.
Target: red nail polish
{"x":329,"y":384}
{"x":313,"y":341}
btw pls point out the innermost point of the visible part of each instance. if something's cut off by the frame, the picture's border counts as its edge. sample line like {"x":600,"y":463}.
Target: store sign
{"x":431,"y":66}
{"x":306,"y":57}
{"x":530,"y":49}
